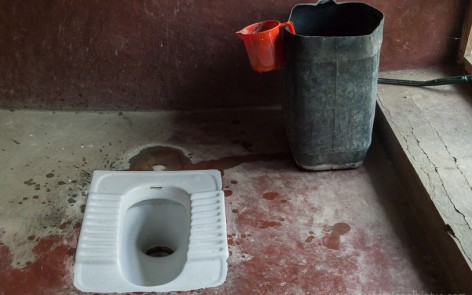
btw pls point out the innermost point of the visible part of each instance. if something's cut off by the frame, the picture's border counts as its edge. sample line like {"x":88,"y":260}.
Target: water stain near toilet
{"x":172,"y":159}
{"x":169,"y":158}
{"x":332,"y":239}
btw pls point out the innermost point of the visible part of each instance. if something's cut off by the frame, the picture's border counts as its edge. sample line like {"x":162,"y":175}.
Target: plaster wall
{"x":143,"y":54}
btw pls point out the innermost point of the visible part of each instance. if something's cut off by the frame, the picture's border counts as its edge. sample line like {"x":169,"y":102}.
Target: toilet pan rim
{"x":149,"y":191}
{"x":143,"y":193}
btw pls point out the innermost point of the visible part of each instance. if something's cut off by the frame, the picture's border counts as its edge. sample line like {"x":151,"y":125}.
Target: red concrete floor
{"x":289,"y":231}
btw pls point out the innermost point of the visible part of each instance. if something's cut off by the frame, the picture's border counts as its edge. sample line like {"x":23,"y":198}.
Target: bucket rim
{"x":379,"y":13}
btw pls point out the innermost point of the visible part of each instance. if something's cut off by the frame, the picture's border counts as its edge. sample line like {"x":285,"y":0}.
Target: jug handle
{"x":290,"y":26}
{"x":325,"y":1}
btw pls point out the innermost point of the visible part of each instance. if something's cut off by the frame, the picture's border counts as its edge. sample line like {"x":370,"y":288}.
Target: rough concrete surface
{"x":289,"y":231}
{"x":434,"y":127}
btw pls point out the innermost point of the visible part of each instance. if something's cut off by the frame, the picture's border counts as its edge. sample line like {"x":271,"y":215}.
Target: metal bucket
{"x":331,"y":83}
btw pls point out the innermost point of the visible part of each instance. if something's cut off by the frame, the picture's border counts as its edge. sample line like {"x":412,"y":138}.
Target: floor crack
{"x":451,"y":232}
{"x":436,"y":168}
{"x":453,"y":205}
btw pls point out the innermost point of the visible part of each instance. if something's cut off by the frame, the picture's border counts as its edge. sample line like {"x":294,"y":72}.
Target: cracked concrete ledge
{"x":428,"y":132}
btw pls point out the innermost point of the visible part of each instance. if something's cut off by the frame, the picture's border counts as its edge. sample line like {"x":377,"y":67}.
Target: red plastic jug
{"x":263,"y":44}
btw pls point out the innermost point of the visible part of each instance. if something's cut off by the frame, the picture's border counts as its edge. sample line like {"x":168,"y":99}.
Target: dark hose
{"x":435,"y":82}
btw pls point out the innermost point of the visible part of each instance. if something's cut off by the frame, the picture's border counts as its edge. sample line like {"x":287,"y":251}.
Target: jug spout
{"x":241,"y":34}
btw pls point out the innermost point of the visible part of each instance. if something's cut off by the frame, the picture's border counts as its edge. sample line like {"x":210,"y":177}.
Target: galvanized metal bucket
{"x":331,"y":82}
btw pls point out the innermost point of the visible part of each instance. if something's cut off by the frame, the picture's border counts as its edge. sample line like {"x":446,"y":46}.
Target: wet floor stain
{"x":70,"y":195}
{"x":263,"y":224}
{"x":332,"y":238}
{"x":270,"y":196}
{"x":167,"y":157}
{"x":29,"y":182}
{"x":50,"y":271}
{"x":171,"y":159}
{"x":309,"y":239}
{"x":231,"y":238}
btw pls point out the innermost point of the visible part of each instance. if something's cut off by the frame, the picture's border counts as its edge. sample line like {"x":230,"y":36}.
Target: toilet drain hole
{"x":159,"y":251}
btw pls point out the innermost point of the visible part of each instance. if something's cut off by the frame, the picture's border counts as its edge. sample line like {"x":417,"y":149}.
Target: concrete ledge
{"x":428,"y":134}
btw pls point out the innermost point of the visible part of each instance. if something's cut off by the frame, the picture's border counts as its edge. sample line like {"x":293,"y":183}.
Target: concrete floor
{"x":289,"y":231}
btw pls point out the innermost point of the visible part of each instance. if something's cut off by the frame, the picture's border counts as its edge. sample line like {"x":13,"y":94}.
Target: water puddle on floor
{"x":171,"y":159}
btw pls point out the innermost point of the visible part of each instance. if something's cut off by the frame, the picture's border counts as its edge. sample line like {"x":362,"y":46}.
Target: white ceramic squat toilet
{"x":151,"y":232}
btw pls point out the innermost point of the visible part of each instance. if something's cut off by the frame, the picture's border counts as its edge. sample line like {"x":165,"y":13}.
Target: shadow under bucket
{"x":331,"y":83}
